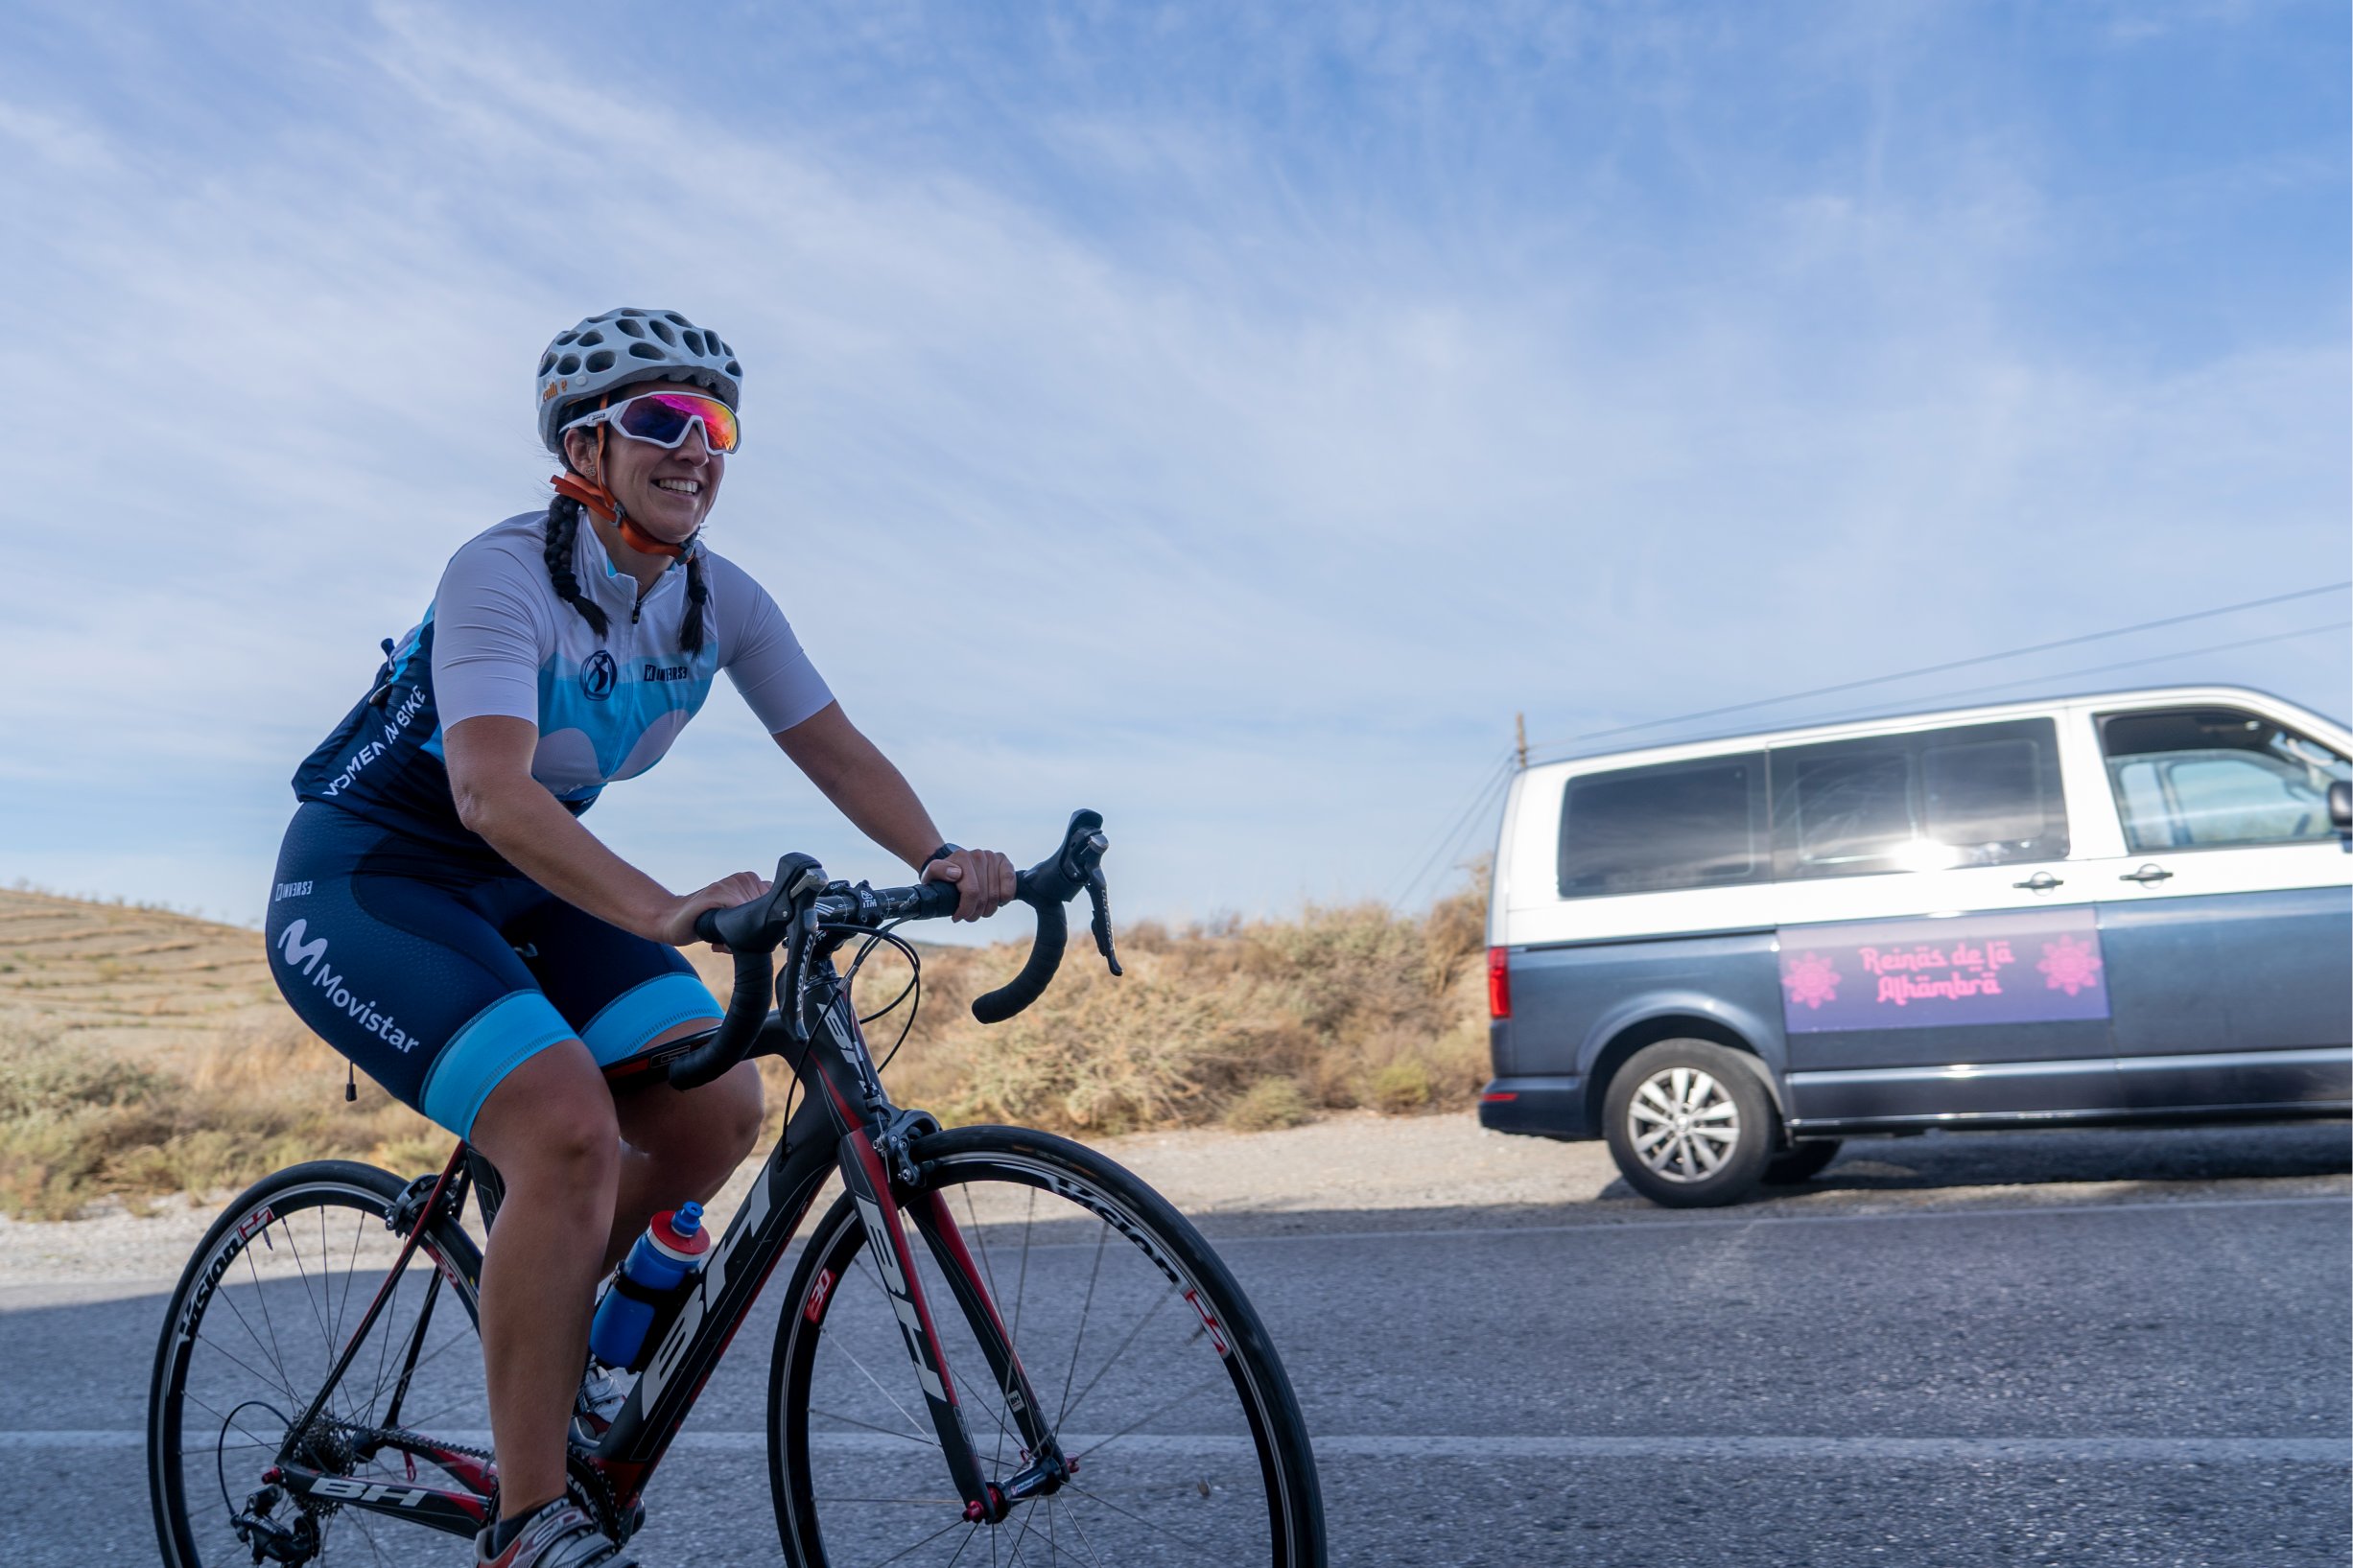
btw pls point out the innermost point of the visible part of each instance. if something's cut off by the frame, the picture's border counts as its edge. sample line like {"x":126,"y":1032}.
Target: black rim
{"x":1185,"y":1455}
{"x":275,"y":1289}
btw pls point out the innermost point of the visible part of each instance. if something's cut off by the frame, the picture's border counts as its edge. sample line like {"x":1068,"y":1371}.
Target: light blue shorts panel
{"x":638,"y":1017}
{"x":478,"y":1058}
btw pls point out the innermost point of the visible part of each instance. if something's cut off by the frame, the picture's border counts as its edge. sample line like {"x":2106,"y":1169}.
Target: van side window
{"x":1981,"y":795}
{"x":2202,"y":777}
{"x":1648,"y":830}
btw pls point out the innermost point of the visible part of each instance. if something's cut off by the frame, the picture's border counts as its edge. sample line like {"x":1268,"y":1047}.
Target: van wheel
{"x":1689,"y":1124}
{"x":1800,"y":1163}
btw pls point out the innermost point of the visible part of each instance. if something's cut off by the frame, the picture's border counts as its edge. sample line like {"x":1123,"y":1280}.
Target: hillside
{"x":144,"y":1052}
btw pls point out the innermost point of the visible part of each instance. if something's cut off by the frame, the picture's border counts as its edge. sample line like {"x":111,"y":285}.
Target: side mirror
{"x":2341,"y":809}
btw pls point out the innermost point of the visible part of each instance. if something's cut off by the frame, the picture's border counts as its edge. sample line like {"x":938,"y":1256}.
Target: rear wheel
{"x":1689,"y":1124}
{"x":1152,"y":1369}
{"x":275,"y":1290}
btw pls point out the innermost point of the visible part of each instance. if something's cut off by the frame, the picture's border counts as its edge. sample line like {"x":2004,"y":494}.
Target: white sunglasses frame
{"x":610,"y":415}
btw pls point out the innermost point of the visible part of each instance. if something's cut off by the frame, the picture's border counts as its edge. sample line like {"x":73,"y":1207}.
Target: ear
{"x":580,"y":452}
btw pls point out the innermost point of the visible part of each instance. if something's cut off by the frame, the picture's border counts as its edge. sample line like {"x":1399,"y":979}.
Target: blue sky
{"x":1226,"y":416}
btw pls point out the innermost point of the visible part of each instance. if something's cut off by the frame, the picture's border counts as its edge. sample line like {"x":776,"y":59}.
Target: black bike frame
{"x":846,"y":1124}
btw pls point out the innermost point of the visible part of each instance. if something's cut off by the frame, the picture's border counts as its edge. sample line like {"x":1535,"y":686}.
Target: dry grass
{"x":144,"y":1052}
{"x":1253,"y":1024}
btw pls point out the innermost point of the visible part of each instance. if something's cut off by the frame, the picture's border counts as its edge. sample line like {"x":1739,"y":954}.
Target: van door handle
{"x":2043,"y":881}
{"x":2150,"y":873}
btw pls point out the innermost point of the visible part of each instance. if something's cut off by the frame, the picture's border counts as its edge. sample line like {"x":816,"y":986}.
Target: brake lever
{"x":1098,"y":895}
{"x":801,"y":879}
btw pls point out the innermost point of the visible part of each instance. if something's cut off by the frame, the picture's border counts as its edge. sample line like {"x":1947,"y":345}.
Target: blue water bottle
{"x":661,"y":1263}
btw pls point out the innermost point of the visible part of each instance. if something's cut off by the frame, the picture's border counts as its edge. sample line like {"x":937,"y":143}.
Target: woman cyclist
{"x":441,"y":917}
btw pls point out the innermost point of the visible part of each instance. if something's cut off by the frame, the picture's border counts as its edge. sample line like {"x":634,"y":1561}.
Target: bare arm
{"x":489,"y":760}
{"x":875,"y":797}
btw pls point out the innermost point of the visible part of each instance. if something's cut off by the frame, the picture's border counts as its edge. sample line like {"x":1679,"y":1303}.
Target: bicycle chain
{"x":595,"y":1487}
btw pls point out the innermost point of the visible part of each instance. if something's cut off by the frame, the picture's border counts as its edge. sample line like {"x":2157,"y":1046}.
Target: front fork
{"x":877,"y":1198}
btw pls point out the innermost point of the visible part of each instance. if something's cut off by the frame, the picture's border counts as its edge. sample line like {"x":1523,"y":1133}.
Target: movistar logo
{"x":309,"y":954}
{"x":599,"y":676}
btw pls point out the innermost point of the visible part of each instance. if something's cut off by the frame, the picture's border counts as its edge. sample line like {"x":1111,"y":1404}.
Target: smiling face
{"x":668,"y":492}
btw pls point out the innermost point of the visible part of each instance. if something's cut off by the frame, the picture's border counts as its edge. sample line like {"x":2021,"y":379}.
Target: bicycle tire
{"x":1162,"y":1481}
{"x":284,"y":1348}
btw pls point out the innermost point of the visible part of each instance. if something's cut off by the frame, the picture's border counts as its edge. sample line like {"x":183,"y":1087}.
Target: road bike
{"x":998,"y":1345}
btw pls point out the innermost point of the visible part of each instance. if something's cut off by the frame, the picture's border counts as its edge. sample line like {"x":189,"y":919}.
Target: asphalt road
{"x":2161,"y":1373}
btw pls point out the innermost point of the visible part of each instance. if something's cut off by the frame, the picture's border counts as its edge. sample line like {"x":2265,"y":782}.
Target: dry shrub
{"x":78,"y":1124}
{"x":1244,"y":1023}
{"x":1340,"y":1007}
{"x":1268,"y":1104}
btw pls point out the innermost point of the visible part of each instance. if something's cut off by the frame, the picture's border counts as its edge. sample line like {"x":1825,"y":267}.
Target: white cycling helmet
{"x":629,"y":345}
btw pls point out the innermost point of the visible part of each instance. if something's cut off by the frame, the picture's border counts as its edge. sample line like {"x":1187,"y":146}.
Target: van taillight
{"x":1498,"y":982}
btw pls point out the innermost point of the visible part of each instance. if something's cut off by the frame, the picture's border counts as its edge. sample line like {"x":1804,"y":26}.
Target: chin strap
{"x":604,"y":505}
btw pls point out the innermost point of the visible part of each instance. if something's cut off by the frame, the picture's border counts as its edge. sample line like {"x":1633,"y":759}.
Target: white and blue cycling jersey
{"x":497,"y":640}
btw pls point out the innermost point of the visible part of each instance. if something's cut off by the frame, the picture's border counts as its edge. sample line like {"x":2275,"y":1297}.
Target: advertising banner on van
{"x":2023,"y":966}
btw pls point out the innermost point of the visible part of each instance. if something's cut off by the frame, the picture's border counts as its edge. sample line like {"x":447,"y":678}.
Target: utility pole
{"x":1520,"y":738}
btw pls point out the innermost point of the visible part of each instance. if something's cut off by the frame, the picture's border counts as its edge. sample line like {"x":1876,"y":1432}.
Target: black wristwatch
{"x":940,"y":854}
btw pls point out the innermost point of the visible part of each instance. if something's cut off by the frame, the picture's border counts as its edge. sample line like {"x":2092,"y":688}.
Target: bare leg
{"x":550,"y":1129}
{"x":681,"y":1145}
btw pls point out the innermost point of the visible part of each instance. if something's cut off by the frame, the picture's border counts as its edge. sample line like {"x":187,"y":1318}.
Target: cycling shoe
{"x":562,"y":1537}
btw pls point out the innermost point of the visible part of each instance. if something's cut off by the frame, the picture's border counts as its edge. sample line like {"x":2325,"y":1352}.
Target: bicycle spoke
{"x":1148,"y":1314}
{"x":1206,"y":1382}
{"x":926,"y":1541}
{"x":1086,"y":1309}
{"x":1191,"y":1547}
{"x":919,"y":1440}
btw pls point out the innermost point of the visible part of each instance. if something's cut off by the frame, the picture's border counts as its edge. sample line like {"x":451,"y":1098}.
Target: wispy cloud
{"x":1224,"y":422}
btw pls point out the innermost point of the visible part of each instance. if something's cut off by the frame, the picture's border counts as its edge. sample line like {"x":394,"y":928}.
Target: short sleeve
{"x":759,"y":654}
{"x":489,"y":637}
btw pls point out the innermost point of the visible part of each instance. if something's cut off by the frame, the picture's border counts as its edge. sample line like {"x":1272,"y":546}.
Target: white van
{"x":1725,"y":957}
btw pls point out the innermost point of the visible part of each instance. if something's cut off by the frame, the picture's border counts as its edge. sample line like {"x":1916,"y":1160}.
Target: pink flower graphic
{"x":2070,"y":965}
{"x":1811,"y":979}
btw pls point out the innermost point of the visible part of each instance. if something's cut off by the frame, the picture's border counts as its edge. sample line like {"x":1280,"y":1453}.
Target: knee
{"x":738,"y":1116}
{"x":574,"y":1142}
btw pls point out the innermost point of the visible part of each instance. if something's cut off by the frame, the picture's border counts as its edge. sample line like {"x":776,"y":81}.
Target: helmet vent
{"x":614,"y":354}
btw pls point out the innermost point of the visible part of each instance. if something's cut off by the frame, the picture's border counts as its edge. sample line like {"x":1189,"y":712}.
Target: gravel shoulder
{"x":1364,"y":1171}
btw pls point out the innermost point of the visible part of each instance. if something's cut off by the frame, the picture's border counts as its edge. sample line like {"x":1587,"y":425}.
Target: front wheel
{"x":1150,"y":1367}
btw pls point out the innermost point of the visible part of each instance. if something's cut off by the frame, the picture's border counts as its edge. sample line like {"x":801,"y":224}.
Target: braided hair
{"x":697,"y":595}
{"x":563,"y":528}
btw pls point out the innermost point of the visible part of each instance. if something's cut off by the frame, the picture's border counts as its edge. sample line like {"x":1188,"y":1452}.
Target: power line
{"x":1465,"y":833}
{"x":2088,"y":669}
{"x":1951,"y":664}
{"x":1502,"y":770}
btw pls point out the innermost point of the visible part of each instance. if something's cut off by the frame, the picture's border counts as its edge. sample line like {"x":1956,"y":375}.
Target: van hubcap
{"x":1684,"y":1127}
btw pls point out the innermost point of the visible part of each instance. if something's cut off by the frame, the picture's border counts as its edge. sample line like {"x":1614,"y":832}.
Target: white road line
{"x":1378,"y":1446}
{"x":1762,"y":1222}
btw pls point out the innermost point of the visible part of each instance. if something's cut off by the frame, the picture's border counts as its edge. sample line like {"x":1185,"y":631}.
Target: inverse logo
{"x":599,"y":676}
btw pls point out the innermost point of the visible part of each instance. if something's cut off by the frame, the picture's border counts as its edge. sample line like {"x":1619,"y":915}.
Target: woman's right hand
{"x":677,"y":923}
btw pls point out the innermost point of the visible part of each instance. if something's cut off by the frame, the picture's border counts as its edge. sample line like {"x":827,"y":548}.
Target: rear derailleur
{"x":293,"y":1540}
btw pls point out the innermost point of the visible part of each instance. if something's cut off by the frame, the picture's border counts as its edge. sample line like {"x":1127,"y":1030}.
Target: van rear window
{"x":1649,"y":829}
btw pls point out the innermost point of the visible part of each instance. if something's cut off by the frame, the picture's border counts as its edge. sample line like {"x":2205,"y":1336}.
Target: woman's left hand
{"x":983,"y":878}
